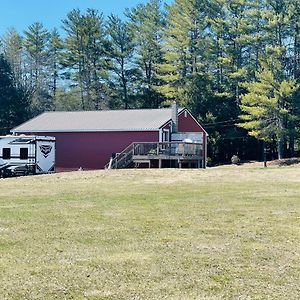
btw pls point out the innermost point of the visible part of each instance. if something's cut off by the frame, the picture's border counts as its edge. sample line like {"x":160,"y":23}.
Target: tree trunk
{"x":292,"y":146}
{"x":280,"y":146}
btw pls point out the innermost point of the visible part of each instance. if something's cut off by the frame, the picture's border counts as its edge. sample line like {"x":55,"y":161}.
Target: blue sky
{"x":22,"y":13}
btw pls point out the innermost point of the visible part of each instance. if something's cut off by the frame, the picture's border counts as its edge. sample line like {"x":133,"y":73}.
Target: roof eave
{"x":84,"y":130}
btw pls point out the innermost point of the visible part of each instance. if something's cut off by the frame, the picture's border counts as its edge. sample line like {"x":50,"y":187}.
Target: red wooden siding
{"x":92,"y":150}
{"x":186,"y":123}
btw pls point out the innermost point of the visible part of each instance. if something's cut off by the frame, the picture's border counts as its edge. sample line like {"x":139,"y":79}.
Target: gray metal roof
{"x":105,"y":120}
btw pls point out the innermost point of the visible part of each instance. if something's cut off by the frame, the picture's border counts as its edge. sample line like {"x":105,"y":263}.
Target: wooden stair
{"x":122,"y":160}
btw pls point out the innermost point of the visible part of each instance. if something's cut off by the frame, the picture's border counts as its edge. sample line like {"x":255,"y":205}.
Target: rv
{"x":26,"y":155}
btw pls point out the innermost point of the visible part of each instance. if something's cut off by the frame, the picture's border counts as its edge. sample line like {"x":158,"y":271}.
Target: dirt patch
{"x":285,"y":162}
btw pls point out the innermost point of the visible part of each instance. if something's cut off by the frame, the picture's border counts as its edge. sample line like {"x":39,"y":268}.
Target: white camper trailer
{"x":24,"y":155}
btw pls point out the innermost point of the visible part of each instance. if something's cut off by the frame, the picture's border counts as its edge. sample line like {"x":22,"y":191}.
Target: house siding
{"x":186,"y":123}
{"x":92,"y":150}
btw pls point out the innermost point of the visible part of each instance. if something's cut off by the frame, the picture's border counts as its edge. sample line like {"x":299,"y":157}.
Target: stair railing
{"x":122,"y":160}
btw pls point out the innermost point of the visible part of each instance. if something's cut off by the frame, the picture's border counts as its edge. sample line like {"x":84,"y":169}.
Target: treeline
{"x":235,"y":64}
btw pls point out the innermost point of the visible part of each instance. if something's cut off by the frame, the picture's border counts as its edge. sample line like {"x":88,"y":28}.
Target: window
{"x":166,"y":135}
{"x":6,"y":153}
{"x":23,"y":153}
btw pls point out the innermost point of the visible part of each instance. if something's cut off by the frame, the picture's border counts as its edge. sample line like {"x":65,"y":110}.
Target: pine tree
{"x":266,"y":109}
{"x":36,"y":43}
{"x":123,"y":70}
{"x":13,"y":101}
{"x":55,"y":52}
{"x":14,"y":53}
{"x":293,"y":48}
{"x":183,"y":48}
{"x":85,"y":56}
{"x":146,"y":24}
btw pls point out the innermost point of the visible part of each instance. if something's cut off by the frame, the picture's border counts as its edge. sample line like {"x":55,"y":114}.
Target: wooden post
{"x":265,"y":154}
{"x":159,"y":163}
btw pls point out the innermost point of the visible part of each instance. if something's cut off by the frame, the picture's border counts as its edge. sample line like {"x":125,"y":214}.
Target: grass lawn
{"x":221,"y":233}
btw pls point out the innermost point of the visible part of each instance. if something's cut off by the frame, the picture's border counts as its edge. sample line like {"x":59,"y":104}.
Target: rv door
{"x":45,"y":156}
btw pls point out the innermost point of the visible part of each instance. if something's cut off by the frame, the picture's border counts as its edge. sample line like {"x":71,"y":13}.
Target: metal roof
{"x":104,"y":120}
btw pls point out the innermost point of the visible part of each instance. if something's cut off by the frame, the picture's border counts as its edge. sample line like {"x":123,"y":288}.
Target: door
{"x":45,"y":156}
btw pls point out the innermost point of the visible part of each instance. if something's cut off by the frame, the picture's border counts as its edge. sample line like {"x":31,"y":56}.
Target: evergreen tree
{"x":13,"y":101}
{"x":268,"y":106}
{"x":55,"y":52}
{"x":146,"y":24}
{"x":293,"y":48}
{"x":184,"y":48}
{"x":68,"y":99}
{"x":85,"y":56}
{"x":13,"y":51}
{"x":36,"y":43}
{"x":123,"y":70}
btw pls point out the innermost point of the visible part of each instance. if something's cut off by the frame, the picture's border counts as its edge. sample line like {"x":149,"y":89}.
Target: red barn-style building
{"x":89,"y":139}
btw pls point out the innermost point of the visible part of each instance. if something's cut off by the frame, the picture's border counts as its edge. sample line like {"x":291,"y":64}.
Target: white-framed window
{"x":166,"y":135}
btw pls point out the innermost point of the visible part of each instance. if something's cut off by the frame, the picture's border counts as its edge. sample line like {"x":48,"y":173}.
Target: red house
{"x":165,"y":137}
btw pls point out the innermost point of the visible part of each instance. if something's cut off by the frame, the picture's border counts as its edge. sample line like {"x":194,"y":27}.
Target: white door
{"x":45,"y":156}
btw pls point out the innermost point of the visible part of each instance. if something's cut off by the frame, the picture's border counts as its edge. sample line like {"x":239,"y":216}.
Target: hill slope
{"x":221,"y":233}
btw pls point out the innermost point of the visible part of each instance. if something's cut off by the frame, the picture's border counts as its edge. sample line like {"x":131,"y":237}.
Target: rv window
{"x":23,"y":153}
{"x":6,"y":153}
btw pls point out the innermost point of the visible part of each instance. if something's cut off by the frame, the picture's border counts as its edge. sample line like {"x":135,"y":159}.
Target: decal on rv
{"x":46,"y":149}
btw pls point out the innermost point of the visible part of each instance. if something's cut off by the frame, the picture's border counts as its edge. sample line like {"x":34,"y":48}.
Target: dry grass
{"x":222,"y":233}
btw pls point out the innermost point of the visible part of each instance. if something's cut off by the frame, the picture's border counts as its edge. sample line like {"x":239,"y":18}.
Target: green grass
{"x":221,"y":233}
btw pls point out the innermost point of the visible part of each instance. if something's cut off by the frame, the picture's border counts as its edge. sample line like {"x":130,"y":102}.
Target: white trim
{"x":166,"y":123}
{"x":160,"y":135}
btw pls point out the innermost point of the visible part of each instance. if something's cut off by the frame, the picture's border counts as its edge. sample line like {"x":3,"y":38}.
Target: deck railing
{"x":168,"y":149}
{"x":155,"y":151}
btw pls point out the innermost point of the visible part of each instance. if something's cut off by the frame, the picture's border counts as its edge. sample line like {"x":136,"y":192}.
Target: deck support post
{"x":159,"y":163}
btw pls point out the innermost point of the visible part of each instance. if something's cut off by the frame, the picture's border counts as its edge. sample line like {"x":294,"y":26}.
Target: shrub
{"x":235,"y":160}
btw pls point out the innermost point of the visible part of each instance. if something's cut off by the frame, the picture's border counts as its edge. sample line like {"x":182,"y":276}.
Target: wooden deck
{"x":159,"y":155}
{"x":176,"y":154}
